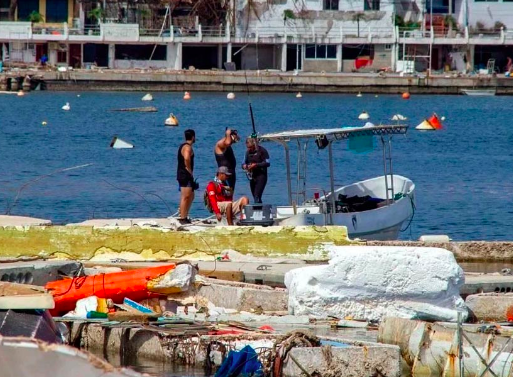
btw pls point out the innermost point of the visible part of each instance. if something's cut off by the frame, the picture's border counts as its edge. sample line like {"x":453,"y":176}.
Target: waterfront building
{"x":281,"y":35}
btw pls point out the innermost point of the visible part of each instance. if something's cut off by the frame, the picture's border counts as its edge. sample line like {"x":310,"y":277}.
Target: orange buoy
{"x":187,"y":96}
{"x":435,"y":122}
{"x":115,"y":285}
{"x":406,"y":95}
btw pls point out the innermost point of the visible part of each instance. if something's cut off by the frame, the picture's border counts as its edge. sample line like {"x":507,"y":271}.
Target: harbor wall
{"x":263,"y":81}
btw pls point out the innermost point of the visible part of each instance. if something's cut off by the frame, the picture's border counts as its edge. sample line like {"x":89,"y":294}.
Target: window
{"x":330,"y":4}
{"x":320,"y":51}
{"x":56,"y":11}
{"x":370,"y":4}
{"x":388,"y":47}
{"x":26,"y":7}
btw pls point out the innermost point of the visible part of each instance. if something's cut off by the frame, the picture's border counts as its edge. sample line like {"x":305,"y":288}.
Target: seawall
{"x":221,"y":81}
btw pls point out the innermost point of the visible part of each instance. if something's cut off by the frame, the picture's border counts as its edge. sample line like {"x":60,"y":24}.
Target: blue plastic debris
{"x":241,"y":363}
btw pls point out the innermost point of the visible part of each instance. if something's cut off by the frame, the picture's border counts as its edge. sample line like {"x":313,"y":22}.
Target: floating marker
{"x":66,"y":107}
{"x":299,"y":95}
{"x":376,"y":96}
{"x":231,"y":96}
{"x":431,"y":124}
{"x":187,"y":96}
{"x":147,"y":97}
{"x":359,"y":94}
{"x":44,"y":123}
{"x":171,"y":121}
{"x":364,"y":115}
{"x":78,"y":95}
{"x":117,"y":143}
{"x":399,"y":117}
{"x":406,"y":95}
{"x":442,"y":118}
{"x":20,"y":93}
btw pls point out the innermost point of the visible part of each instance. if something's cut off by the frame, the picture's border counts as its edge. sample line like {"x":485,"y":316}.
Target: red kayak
{"x":116,"y":286}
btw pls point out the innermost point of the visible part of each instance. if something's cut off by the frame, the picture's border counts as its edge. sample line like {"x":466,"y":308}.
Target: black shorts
{"x":187,"y":182}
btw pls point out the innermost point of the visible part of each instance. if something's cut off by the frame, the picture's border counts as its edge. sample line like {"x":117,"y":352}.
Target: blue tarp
{"x":241,"y":363}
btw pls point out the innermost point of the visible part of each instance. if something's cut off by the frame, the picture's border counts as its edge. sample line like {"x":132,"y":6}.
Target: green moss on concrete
{"x":82,"y":242}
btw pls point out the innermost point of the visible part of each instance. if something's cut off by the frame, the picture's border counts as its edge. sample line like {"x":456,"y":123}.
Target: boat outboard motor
{"x":257,"y":214}
{"x":322,"y":142}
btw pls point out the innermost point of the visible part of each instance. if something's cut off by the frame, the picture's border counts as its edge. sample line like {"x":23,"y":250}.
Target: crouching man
{"x":219,"y":197}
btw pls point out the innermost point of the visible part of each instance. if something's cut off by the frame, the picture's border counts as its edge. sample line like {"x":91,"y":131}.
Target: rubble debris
{"x":116,"y":286}
{"x":176,"y":280}
{"x":491,"y":307}
{"x":370,"y":283}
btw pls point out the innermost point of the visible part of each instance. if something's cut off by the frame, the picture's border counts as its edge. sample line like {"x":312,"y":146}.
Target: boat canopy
{"x":333,"y":134}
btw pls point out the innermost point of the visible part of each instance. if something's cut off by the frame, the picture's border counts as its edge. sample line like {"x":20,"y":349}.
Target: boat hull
{"x":384,"y":223}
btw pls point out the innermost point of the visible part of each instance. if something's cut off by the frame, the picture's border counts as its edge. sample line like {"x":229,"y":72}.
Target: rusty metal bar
{"x":478,"y":354}
{"x":489,"y":366}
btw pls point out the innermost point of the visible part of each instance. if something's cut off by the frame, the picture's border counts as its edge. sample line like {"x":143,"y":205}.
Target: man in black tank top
{"x":224,"y":154}
{"x":184,"y":175}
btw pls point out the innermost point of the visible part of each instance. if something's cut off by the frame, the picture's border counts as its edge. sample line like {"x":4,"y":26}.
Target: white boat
{"x":479,"y":92}
{"x":374,"y":209}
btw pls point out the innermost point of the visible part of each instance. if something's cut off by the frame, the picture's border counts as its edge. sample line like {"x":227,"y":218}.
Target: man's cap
{"x":223,"y":170}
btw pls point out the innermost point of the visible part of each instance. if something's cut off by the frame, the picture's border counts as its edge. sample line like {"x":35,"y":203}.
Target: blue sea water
{"x":462,"y":174}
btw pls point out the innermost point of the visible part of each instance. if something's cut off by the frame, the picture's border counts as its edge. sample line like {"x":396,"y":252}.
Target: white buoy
{"x":117,"y":143}
{"x":20,"y":93}
{"x":364,"y":115}
{"x":44,"y":123}
{"x":187,"y":96}
{"x":376,"y":96}
{"x":399,"y":117}
{"x":359,"y":94}
{"x":171,"y":121}
{"x":231,"y":95}
{"x":442,"y":118}
{"x":78,"y":95}
{"x":299,"y":95}
{"x":66,"y":107}
{"x":147,"y":97}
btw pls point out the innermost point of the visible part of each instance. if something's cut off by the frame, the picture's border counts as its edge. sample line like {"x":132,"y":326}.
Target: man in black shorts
{"x":184,"y":175}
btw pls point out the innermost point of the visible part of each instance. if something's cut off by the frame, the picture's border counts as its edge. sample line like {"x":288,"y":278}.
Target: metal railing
{"x":213,"y":31}
{"x":48,"y":30}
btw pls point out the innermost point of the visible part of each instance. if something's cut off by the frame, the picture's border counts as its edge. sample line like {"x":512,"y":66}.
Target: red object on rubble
{"x":115,"y":285}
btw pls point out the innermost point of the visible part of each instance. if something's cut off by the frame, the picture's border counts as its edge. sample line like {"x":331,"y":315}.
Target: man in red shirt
{"x":220,"y":197}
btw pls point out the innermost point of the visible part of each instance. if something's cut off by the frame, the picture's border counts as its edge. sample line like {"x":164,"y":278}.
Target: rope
{"x":412,"y":215}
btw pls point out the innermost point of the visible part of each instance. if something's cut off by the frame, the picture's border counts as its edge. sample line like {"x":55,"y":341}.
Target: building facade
{"x":281,"y":35}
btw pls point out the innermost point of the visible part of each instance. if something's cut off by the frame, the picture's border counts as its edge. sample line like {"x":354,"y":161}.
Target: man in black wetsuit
{"x":225,"y":156}
{"x":255,"y":165}
{"x":184,"y":175}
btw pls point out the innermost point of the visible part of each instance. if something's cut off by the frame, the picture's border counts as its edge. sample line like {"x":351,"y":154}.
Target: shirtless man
{"x":224,"y":154}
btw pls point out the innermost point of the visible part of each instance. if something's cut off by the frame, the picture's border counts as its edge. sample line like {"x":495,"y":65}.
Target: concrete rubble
{"x":491,"y":307}
{"x":372,"y":283}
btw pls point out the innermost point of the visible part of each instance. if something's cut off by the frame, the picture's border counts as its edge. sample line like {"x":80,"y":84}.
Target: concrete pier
{"x":265,"y":81}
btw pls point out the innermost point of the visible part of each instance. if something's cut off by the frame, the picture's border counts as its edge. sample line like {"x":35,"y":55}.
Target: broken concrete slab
{"x":491,"y":307}
{"x":353,"y":359}
{"x":244,"y":299}
{"x":29,"y":357}
{"x":370,"y":283}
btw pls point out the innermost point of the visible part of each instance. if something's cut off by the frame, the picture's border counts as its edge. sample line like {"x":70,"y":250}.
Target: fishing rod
{"x":254,"y":134}
{"x":38,"y":178}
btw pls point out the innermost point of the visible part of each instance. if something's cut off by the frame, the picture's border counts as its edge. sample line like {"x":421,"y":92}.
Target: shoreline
{"x":263,"y":81}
